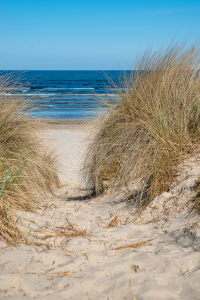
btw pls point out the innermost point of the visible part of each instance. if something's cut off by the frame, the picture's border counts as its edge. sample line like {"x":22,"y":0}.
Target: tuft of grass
{"x":152,"y":126}
{"x":196,"y":200}
{"x":27,"y":168}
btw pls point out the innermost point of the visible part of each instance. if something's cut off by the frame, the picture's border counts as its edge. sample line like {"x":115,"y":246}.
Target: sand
{"x":78,"y":251}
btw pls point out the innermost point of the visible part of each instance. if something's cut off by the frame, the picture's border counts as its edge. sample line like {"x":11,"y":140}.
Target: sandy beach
{"x":83,"y":247}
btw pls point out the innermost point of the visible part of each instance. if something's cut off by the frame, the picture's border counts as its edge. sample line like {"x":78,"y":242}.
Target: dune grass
{"x":153,"y":125}
{"x":27,"y":169}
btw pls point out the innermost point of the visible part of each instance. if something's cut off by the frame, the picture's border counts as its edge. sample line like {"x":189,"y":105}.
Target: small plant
{"x":153,"y":125}
{"x":196,"y":205}
{"x":4,"y":182}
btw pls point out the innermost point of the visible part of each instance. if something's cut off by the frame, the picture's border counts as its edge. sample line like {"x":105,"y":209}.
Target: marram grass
{"x":153,"y":125}
{"x":27,"y":168}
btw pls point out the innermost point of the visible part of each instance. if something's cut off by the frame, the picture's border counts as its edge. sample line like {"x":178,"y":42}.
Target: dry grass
{"x":26,"y":167}
{"x":60,"y":232}
{"x":65,"y":273}
{"x":131,"y":290}
{"x":113,"y":222}
{"x":135,"y":245}
{"x":153,"y":125}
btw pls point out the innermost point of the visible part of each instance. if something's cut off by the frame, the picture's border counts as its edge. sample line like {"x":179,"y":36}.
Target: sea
{"x":65,"y":94}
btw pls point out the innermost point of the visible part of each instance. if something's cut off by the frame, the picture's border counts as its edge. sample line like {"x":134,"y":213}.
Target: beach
{"x":84,"y":247}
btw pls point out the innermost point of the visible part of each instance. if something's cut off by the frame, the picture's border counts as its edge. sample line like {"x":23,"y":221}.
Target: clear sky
{"x":90,"y":34}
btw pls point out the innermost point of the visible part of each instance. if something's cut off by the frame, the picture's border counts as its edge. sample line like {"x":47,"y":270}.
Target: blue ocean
{"x":66,"y":94}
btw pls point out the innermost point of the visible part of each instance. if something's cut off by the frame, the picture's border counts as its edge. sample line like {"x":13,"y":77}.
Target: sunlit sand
{"x":96,"y":247}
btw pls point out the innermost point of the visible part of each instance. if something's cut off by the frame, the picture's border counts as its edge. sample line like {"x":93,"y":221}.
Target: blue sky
{"x":92,"y":34}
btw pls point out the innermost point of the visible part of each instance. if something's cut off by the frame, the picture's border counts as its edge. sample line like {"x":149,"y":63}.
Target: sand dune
{"x":79,"y":253}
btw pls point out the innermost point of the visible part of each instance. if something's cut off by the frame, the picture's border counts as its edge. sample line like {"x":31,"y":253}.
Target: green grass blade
{"x":4,"y":183}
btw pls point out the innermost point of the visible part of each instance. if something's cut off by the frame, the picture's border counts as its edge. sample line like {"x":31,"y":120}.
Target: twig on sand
{"x":1,"y":265}
{"x":146,"y":222}
{"x":86,"y":256}
{"x":57,"y":273}
{"x":135,"y":245}
{"x":18,"y":272}
{"x":113,"y":222}
{"x":105,"y":248}
{"x":137,"y":213}
{"x":28,"y":220}
{"x":131,"y":290}
{"x":88,"y":296}
{"x":167,"y":285}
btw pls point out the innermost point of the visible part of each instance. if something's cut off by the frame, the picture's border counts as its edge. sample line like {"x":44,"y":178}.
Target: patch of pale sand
{"x":68,"y":139}
{"x":88,"y":267}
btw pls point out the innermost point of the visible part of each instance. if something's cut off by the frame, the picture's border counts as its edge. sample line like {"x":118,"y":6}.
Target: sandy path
{"x":87,"y":266}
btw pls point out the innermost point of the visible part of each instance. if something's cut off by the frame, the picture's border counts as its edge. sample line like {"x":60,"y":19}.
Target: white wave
{"x":14,"y":94}
{"x":62,"y":95}
{"x":66,"y":88}
{"x":17,"y":89}
{"x":109,"y":95}
{"x":94,"y":95}
{"x":81,"y":88}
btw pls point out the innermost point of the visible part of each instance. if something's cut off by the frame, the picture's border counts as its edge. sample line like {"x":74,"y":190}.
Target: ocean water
{"x":65,"y":94}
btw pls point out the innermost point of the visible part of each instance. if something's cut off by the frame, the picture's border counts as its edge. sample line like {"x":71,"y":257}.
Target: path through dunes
{"x":78,"y":252}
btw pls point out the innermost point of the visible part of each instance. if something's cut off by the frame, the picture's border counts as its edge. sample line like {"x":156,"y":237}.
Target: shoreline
{"x":66,"y":123}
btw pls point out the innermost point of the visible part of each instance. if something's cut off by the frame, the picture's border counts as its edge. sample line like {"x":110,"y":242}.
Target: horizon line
{"x":21,"y":70}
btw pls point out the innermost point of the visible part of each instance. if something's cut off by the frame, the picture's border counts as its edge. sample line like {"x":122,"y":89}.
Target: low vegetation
{"x":26,"y":167}
{"x":153,"y":125}
{"x":196,"y":199}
